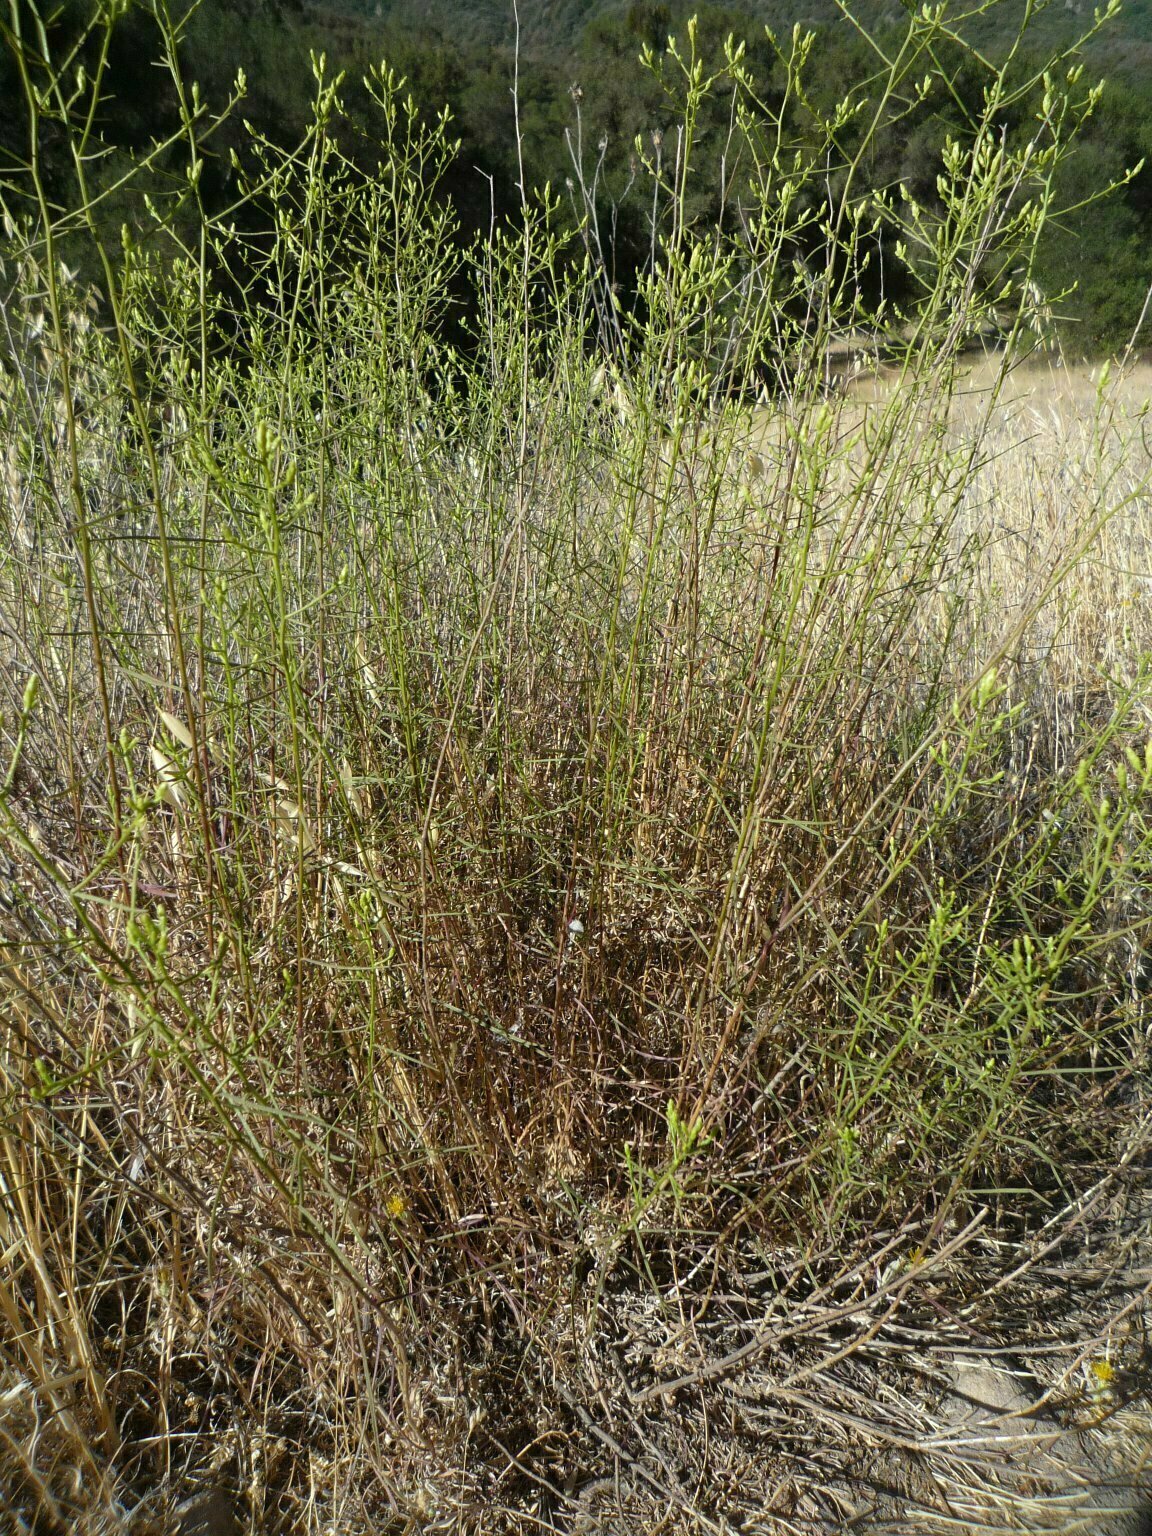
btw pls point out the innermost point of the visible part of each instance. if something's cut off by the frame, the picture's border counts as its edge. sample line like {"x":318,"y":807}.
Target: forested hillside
{"x":555,"y":27}
{"x":585,"y":99}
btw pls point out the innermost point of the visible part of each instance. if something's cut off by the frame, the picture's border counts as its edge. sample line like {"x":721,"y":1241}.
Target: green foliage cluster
{"x":583,"y":103}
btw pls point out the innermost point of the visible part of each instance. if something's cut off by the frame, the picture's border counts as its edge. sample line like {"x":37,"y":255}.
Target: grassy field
{"x":569,"y":945}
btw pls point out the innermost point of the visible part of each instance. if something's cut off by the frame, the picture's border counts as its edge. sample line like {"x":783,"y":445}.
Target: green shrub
{"x":499,"y":830}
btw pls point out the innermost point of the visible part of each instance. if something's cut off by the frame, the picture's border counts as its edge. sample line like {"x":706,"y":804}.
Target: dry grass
{"x":332,"y":1157}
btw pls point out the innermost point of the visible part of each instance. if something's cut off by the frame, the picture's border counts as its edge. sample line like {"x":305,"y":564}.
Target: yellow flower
{"x":397,"y":1206}
{"x":1101,"y":1377}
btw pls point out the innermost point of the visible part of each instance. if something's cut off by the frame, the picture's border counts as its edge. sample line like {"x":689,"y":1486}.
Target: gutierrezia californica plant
{"x":476,"y":852}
